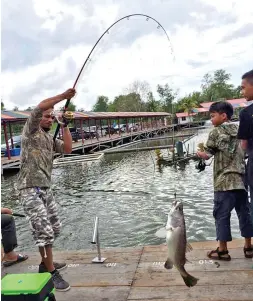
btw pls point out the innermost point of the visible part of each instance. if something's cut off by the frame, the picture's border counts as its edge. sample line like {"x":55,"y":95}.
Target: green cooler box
{"x":28,"y":287}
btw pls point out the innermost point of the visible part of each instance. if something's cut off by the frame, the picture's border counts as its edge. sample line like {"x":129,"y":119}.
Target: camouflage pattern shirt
{"x":229,"y":164}
{"x":37,"y":153}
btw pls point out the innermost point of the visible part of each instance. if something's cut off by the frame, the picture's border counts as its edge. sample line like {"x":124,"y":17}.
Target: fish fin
{"x":189,"y":280}
{"x":188,"y":247}
{"x":168,"y":264}
{"x":186,"y":260}
{"x":161,"y":233}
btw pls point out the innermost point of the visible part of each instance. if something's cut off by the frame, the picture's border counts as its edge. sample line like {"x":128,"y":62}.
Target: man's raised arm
{"x":52,"y":101}
{"x":33,"y":121}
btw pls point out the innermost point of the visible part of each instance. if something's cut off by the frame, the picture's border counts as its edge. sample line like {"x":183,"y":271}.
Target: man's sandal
{"x":20,"y":258}
{"x":246,"y":250}
{"x":219,"y":256}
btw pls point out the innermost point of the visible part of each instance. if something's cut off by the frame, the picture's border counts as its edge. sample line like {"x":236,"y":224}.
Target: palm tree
{"x":187,"y":104}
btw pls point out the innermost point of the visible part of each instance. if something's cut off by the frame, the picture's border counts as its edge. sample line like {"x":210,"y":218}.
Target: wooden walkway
{"x":138,"y":274}
{"x":103,"y":143}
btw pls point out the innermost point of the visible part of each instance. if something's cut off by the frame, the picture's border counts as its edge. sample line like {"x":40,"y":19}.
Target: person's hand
{"x":203,"y":155}
{"x":6,"y":211}
{"x":67,"y":117}
{"x":69,"y":93}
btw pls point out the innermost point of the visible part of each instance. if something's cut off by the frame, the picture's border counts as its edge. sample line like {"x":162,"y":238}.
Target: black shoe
{"x":59,"y":283}
{"x":58,"y":266}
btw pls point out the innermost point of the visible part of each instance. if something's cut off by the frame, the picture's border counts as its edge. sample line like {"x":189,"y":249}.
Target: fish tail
{"x":189,"y":280}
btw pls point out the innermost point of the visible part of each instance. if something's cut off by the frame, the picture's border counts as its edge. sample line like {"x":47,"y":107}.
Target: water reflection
{"x":130,"y":194}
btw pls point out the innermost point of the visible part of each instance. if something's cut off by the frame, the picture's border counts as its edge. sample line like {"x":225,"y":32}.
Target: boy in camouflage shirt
{"x":228,"y":177}
{"x":34,"y":181}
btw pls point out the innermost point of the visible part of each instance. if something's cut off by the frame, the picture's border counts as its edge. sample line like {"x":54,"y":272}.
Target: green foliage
{"x":2,"y":106}
{"x":216,"y":87}
{"x":167,"y":96}
{"x":71,"y":107}
{"x":188,"y":103}
{"x":153,"y":105}
{"x":139,"y":97}
{"x":101,"y":104}
{"x":128,"y":103}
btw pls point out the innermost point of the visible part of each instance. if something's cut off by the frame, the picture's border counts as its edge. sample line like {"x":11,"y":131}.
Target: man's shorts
{"x":250,"y":181}
{"x":41,"y":211}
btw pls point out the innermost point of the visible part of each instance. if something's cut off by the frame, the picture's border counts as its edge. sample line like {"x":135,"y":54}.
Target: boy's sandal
{"x":246,"y":250}
{"x":219,"y":256}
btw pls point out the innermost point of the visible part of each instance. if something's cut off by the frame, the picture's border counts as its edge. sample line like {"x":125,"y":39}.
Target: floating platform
{"x":77,"y":159}
{"x":130,"y":274}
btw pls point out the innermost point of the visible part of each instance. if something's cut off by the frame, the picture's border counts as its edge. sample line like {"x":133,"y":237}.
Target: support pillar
{"x":6,"y":141}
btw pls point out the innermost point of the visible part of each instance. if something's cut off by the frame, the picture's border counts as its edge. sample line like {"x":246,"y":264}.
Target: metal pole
{"x":98,"y":247}
{"x":89,"y":129}
{"x":12,"y":144}
{"x":95,"y":240}
{"x":81,"y":123}
{"x":96,"y":133}
{"x":6,"y":141}
{"x":119,"y":127}
{"x":109,"y":127}
{"x":100,"y":121}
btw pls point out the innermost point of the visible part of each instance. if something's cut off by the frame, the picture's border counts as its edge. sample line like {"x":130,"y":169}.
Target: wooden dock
{"x":138,"y":274}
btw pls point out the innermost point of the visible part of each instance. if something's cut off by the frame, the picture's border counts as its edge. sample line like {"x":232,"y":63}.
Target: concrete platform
{"x":138,"y":274}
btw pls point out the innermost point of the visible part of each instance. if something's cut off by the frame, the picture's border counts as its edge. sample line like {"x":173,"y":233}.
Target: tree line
{"x":138,"y":97}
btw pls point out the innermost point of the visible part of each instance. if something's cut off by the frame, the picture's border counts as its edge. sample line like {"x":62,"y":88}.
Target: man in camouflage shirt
{"x":228,"y":180}
{"x":34,"y":181}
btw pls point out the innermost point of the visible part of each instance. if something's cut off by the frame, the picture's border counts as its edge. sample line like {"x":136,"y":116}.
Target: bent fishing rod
{"x":87,"y":59}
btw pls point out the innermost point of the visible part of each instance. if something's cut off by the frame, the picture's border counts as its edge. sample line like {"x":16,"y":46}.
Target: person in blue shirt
{"x":245,"y":132}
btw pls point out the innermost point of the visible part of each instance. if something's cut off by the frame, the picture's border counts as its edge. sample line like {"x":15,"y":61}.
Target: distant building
{"x":184,"y":118}
{"x":238,"y":104}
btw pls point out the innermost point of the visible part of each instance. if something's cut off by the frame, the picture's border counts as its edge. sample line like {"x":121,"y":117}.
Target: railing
{"x":95,"y":240}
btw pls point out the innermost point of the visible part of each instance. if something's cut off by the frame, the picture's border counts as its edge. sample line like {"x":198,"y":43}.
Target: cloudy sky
{"x":44,"y":44}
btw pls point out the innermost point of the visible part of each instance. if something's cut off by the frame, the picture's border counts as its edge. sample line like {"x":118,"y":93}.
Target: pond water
{"x":131,"y":196}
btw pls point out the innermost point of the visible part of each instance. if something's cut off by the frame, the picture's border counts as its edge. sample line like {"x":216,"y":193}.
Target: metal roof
{"x":12,"y":116}
{"x":199,"y":110}
{"x":184,"y":114}
{"x":236,"y":103}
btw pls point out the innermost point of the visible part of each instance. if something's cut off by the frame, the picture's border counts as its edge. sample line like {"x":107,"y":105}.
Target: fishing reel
{"x":201,"y":165}
{"x":66,"y":117}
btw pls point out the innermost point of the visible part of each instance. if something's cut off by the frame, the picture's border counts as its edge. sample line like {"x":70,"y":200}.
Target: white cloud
{"x":114,"y":66}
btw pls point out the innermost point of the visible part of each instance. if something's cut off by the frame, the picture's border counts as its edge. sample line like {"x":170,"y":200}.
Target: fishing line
{"x":128,"y":17}
{"x":173,"y":143}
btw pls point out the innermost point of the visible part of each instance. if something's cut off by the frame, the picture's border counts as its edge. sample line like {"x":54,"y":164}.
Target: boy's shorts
{"x":41,"y":210}
{"x":224,"y":203}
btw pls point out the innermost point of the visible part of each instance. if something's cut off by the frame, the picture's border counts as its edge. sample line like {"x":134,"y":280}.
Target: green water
{"x":131,"y":196}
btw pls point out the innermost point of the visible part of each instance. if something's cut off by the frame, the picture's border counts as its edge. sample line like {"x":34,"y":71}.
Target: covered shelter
{"x":142,"y":120}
